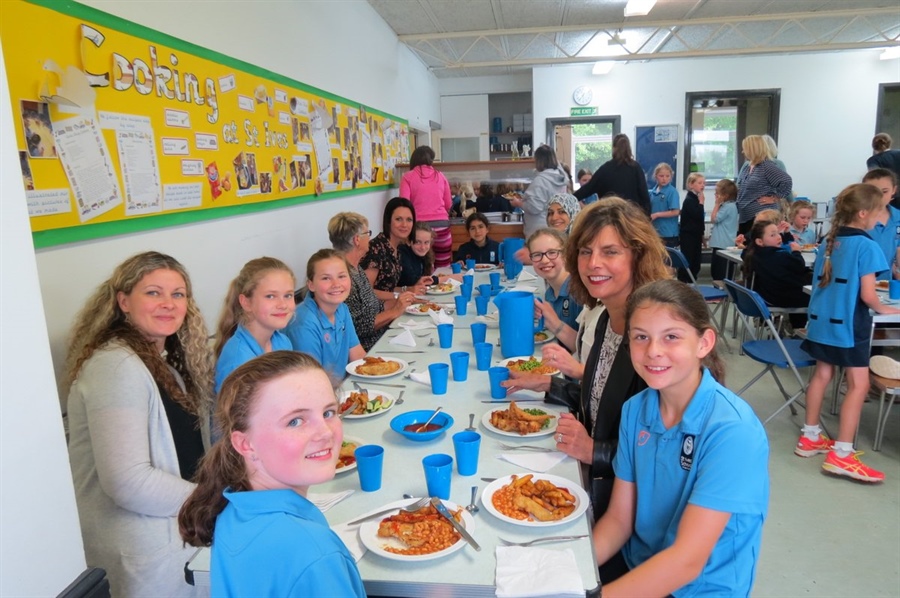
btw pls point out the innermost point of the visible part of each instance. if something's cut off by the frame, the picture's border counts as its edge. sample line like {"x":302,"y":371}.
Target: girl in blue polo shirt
{"x":840,"y":327}
{"x":559,"y":309}
{"x":886,"y":229}
{"x":665,"y":205}
{"x":259,"y":304}
{"x":281,"y":435}
{"x":692,"y":486}
{"x":322,"y":325}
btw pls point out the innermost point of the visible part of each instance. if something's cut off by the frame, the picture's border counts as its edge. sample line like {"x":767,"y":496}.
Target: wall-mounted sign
{"x":583,"y":111}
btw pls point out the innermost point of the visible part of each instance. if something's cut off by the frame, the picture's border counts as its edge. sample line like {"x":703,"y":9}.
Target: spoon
{"x":471,"y":427}
{"x":472,"y":507}
{"x":399,"y":400}
{"x":433,"y":415}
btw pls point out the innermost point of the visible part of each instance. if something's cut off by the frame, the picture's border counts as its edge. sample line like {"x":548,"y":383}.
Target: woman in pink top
{"x":429,"y":192}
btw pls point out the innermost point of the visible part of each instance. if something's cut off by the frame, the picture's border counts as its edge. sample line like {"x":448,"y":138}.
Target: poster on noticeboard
{"x":122,"y":128}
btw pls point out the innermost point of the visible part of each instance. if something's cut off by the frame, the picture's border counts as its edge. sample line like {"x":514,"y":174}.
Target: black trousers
{"x":692,"y":248}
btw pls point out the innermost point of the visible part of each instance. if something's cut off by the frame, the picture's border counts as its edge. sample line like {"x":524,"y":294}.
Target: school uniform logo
{"x":643,"y":437}
{"x":327,"y":337}
{"x":565,"y":308}
{"x":687,"y":452}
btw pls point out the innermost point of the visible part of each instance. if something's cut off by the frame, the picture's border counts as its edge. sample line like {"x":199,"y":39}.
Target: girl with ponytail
{"x":280,"y":435}
{"x":840,"y":326}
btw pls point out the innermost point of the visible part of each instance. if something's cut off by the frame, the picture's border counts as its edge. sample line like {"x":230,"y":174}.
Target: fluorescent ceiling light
{"x":603,"y":67}
{"x":613,"y":45}
{"x":638,"y":8}
{"x":890,"y":53}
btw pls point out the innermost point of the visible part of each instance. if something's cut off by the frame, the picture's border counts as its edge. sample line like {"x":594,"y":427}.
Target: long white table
{"x":465,"y":572}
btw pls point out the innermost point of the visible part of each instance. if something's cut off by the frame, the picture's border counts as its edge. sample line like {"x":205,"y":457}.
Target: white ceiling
{"x":465,"y":38}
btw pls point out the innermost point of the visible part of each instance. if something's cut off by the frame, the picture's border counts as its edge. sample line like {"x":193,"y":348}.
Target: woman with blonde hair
{"x":141,"y":378}
{"x":614,"y":250}
{"x":761,"y":184}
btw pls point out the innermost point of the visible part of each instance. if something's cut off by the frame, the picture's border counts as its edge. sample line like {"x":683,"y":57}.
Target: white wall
{"x":465,"y":116}
{"x":341,"y":47}
{"x":828,"y":104}
{"x":40,"y":543}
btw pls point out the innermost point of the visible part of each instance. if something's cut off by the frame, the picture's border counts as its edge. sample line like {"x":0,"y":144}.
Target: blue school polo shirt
{"x":662,"y":200}
{"x":837,"y":315}
{"x":312,"y":332}
{"x":563,"y":304}
{"x":241,"y":348}
{"x":277,"y":543}
{"x":887,"y":236}
{"x":715,"y":457}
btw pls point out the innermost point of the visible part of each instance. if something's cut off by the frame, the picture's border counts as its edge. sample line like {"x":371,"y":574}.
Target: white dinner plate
{"x":368,"y":535}
{"x":581,"y":499}
{"x":505,"y":363}
{"x":351,"y":368}
{"x":352,"y":466}
{"x":413,"y":309}
{"x":550,"y":337}
{"x":435,"y":290}
{"x":346,"y":393}
{"x":485,"y":267}
{"x":550,"y":429}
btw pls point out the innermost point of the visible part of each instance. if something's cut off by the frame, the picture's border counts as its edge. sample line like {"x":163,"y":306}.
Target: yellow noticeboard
{"x":122,"y":128}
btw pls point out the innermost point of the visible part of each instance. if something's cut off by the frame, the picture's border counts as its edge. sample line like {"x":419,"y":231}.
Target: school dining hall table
{"x":465,"y":572}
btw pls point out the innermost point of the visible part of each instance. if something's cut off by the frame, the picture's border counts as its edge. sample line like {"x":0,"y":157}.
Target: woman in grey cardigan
{"x":141,"y":372}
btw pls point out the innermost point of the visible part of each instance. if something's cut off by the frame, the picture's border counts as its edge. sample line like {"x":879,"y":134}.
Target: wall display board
{"x":653,"y":145}
{"x":123,"y":128}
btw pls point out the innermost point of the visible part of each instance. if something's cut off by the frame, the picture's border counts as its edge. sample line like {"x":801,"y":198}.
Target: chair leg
{"x":789,"y":398}
{"x":882,"y":420}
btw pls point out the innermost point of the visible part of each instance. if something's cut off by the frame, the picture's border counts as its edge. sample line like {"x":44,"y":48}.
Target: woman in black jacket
{"x":615,"y":250}
{"x":622,"y":176}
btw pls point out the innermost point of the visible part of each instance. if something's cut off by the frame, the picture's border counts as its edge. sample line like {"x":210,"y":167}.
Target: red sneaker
{"x":807,"y":448}
{"x":851,"y":467}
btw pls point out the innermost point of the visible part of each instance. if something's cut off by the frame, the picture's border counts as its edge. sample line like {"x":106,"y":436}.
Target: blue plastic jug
{"x":508,"y":249}
{"x":517,"y":308}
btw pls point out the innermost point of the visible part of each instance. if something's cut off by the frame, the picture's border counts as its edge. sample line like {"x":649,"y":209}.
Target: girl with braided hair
{"x":839,"y":327}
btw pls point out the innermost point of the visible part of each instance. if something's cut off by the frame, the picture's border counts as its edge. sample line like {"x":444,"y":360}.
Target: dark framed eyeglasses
{"x":365,"y":232}
{"x":551,"y":255}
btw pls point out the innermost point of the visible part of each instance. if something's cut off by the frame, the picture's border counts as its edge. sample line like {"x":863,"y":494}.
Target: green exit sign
{"x":583,"y":111}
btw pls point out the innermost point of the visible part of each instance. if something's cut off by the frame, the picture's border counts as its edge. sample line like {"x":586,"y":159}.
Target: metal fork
{"x":422,"y":502}
{"x":542,"y":540}
{"x":526,"y":447}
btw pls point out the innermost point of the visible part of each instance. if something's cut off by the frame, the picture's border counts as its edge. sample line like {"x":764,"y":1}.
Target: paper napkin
{"x":326,"y":501}
{"x":525,"y":276}
{"x":535,"y":461}
{"x":415,"y":325}
{"x":456,"y":284}
{"x":470,"y":271}
{"x":349,"y":535}
{"x":440,"y":317}
{"x":404,"y":339}
{"x":524,"y":572}
{"x":421,"y":377}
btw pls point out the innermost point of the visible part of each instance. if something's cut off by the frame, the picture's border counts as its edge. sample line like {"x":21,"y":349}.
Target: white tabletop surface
{"x":465,"y":572}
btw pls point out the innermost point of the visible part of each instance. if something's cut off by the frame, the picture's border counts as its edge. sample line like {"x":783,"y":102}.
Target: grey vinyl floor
{"x":825,"y":536}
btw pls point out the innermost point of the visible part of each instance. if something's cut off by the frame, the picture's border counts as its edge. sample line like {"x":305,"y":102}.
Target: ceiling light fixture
{"x":890,"y":53}
{"x":603,"y":67}
{"x":616,"y":40}
{"x":638,"y":8}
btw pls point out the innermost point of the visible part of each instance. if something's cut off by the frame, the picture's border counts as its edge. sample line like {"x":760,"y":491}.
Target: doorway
{"x":583,"y":143}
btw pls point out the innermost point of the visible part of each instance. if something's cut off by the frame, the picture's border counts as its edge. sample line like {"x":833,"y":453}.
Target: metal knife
{"x":439,"y":506}
{"x":372,"y":515}
{"x":373,"y":383}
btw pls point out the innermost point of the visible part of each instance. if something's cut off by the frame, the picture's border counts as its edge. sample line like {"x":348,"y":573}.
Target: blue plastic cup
{"x":456,"y":267}
{"x":462,"y":305}
{"x":495,"y":280}
{"x":479,"y":329}
{"x":484,"y":290}
{"x":466,"y":290}
{"x":498,"y":375}
{"x":466,"y":446}
{"x":438,"y":470}
{"x":894,"y":289}
{"x":470,"y":263}
{"x":483,"y":354}
{"x":481,"y":304}
{"x":445,"y":335}
{"x":439,"y":372}
{"x":460,"y":362}
{"x":469,"y":278}
{"x":369,"y":463}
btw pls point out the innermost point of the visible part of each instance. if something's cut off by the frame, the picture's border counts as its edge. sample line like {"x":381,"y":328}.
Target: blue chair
{"x":715,"y":298}
{"x":774,"y":352}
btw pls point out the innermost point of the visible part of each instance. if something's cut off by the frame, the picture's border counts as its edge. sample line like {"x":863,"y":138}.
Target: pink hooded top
{"x":429,"y":192}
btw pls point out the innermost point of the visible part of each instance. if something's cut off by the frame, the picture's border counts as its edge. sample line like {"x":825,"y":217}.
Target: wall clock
{"x":583,"y":95}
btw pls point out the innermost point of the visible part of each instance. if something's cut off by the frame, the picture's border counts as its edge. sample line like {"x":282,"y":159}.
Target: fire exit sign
{"x":583,"y":111}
